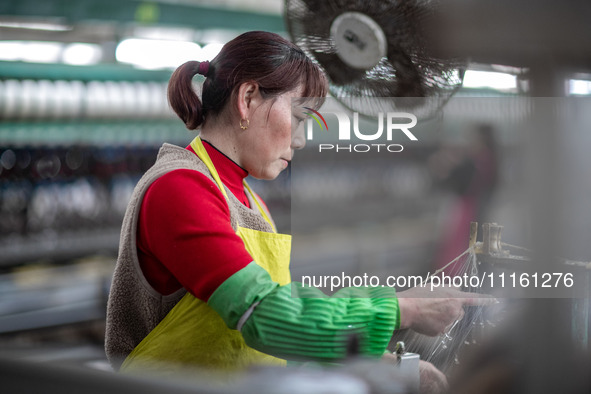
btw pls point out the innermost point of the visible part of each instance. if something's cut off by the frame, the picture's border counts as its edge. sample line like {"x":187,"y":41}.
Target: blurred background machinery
{"x":83,"y":112}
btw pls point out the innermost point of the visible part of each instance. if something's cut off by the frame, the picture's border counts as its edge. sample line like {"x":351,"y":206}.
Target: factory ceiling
{"x":100,"y":21}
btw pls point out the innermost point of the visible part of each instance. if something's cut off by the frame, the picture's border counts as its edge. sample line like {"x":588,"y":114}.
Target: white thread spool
{"x":143,"y":102}
{"x":27,"y":99}
{"x":43,"y":98}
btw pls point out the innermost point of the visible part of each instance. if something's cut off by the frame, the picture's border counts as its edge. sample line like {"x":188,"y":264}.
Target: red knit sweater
{"x":184,"y":236}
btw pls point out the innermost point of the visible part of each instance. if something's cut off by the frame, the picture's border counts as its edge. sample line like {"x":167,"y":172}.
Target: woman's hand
{"x":430,"y":312}
{"x":433,"y":381}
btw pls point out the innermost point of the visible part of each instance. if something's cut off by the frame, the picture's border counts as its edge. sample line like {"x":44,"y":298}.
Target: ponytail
{"x":182,"y":96}
{"x":275,"y":64}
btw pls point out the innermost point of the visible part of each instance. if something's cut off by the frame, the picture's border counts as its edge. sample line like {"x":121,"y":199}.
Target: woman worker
{"x":202,"y":277}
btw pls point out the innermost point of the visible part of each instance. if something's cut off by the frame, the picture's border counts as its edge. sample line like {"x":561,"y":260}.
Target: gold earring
{"x":244,"y":127}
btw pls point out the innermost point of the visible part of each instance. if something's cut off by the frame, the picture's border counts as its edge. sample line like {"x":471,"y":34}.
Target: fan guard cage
{"x":408,"y":77}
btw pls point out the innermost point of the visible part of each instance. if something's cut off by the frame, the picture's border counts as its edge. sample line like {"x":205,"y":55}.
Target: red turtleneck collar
{"x":230,"y":173}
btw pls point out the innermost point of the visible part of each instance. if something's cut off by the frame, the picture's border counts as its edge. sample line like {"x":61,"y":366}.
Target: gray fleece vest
{"x":134,"y":307}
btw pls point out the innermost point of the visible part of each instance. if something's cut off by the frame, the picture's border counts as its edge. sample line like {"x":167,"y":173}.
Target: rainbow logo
{"x":315,"y":118}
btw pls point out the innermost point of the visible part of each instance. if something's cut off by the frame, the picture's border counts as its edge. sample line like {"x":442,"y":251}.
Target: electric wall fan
{"x":376,"y":49}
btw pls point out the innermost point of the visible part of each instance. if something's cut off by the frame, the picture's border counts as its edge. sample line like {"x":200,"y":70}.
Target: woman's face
{"x":270,"y":141}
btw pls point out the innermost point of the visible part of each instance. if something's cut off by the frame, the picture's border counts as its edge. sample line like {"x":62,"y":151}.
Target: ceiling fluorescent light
{"x":46,"y":26}
{"x":82,"y":54}
{"x":156,"y":54}
{"x":492,"y":80}
{"x":31,"y":51}
{"x":11,"y":50}
{"x":579,"y":87}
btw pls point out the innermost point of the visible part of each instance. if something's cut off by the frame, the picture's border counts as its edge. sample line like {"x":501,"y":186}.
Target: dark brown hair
{"x":274,"y":63}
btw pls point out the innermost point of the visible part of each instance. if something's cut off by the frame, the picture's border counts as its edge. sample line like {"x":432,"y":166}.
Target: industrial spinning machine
{"x":510,"y":273}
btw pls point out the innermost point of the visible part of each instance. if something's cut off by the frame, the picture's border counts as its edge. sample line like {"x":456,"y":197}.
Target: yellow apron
{"x":192,"y":334}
